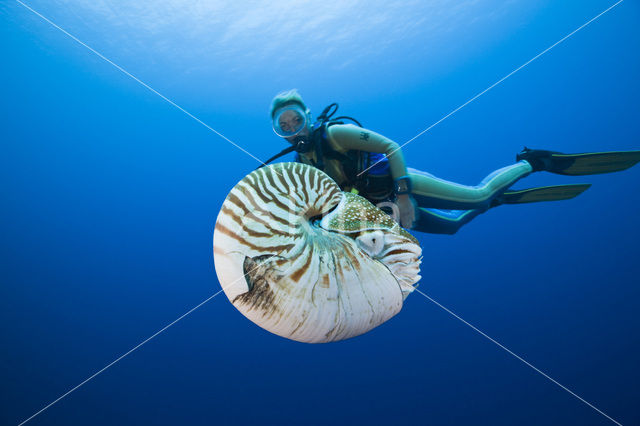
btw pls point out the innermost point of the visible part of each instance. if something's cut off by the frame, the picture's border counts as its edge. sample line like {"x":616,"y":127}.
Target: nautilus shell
{"x":308,"y":262}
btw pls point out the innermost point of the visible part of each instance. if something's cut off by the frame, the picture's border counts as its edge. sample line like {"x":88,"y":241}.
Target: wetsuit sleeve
{"x":348,"y":136}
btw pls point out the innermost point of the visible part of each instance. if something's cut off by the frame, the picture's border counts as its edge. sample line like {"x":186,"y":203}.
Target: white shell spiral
{"x":308,"y":262}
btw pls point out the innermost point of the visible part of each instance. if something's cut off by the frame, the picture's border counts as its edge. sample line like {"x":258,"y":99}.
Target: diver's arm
{"x":348,"y":136}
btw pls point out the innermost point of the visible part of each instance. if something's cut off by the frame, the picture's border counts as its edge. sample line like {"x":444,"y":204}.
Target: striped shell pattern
{"x":308,"y":262}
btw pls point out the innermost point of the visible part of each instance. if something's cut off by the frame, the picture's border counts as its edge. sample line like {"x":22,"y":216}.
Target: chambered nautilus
{"x":308,"y":262}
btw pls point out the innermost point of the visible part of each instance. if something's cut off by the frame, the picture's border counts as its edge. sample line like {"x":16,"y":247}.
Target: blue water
{"x":109,"y":196}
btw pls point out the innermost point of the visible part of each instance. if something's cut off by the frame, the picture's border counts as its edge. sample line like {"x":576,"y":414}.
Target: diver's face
{"x":291,"y":121}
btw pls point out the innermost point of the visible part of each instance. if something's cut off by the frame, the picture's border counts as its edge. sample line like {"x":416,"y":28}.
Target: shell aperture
{"x":306,"y":261}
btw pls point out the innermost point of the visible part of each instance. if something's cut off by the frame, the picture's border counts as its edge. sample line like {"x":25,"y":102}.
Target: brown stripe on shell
{"x":269,"y":249}
{"x":299,"y":272}
{"x":241,"y":222}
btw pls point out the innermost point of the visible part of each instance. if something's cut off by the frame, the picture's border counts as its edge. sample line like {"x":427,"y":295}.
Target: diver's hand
{"x":407,"y":208}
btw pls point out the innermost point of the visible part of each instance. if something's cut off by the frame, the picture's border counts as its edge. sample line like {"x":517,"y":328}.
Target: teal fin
{"x":596,"y":162}
{"x":543,"y":193}
{"x":589,"y":163}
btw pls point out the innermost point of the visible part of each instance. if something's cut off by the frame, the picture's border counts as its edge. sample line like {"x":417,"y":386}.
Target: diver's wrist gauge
{"x":403,"y":185}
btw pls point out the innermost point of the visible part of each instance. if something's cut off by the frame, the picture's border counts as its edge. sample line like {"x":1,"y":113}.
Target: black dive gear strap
{"x":377,"y":187}
{"x":278,"y":155}
{"x":327,"y":114}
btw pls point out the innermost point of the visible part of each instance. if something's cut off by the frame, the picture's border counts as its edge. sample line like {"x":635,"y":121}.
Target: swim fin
{"x":588,"y":163}
{"x":543,"y":193}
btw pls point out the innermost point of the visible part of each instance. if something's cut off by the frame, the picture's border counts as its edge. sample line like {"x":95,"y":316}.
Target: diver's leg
{"x":430,"y":191}
{"x":436,"y":221}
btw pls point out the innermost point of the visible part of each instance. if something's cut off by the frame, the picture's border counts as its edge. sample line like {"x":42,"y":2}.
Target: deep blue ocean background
{"x":109,"y":196}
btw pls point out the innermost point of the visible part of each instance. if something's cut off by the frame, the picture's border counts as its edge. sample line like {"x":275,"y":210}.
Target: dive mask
{"x":288,"y":121}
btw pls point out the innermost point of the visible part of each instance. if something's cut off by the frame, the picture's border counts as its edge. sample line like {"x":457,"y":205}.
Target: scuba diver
{"x":371,"y":165}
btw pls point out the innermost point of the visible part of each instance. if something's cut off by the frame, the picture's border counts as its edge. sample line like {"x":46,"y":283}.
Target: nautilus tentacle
{"x":308,"y":262}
